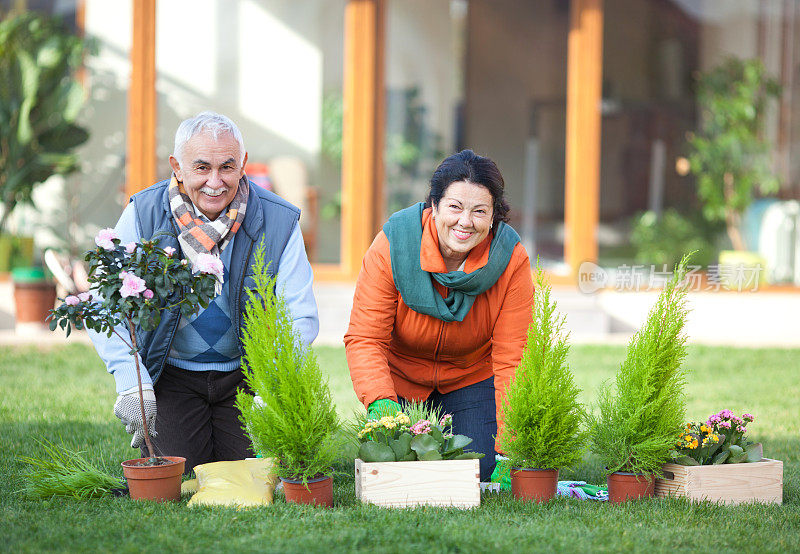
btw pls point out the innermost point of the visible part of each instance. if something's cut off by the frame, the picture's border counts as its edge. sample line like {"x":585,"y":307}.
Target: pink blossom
{"x":726,"y":414}
{"x":208,"y":263}
{"x":105,"y":237}
{"x":184,"y":262}
{"x":725,"y":424}
{"x":147,"y":294}
{"x":421,"y":427}
{"x":169,"y":251}
{"x":740,"y":428}
{"x":84,"y":296}
{"x":130,"y":248}
{"x":72,"y":300}
{"x":748,"y":417}
{"x":446,"y":421}
{"x":132,"y":286}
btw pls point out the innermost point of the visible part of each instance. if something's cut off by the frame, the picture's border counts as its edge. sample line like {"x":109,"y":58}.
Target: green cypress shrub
{"x":295,"y":419}
{"x":543,"y":418}
{"x":639,"y":419}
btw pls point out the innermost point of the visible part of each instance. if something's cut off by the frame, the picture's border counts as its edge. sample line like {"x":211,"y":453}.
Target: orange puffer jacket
{"x":394,"y":351}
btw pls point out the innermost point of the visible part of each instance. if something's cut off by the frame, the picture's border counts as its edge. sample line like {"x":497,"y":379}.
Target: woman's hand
{"x":383,"y":407}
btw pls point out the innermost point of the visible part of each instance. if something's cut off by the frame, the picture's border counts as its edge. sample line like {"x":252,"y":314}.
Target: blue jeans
{"x":474,"y":415}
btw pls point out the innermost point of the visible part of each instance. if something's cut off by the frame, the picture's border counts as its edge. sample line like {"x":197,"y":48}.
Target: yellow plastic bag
{"x":241,"y":483}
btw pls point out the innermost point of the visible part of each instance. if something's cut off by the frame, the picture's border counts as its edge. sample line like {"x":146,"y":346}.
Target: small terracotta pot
{"x":624,"y":486}
{"x":159,"y":483}
{"x":318,"y":491}
{"x":534,"y":484}
{"x":33,"y":301}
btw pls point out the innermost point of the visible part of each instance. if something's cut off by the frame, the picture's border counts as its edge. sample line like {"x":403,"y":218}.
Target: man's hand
{"x":127,"y":409}
{"x":383,"y":407}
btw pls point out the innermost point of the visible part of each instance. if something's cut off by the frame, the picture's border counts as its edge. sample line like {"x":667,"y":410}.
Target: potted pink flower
{"x":131,"y":285}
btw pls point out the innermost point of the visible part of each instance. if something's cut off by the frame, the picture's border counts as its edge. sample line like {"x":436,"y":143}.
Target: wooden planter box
{"x":727,"y":483}
{"x":403,"y":484}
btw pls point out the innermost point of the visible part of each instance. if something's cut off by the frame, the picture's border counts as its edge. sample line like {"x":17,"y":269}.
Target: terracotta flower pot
{"x":534,"y":484}
{"x":318,"y":491}
{"x":159,"y":483}
{"x":34,"y":297}
{"x":623,"y":486}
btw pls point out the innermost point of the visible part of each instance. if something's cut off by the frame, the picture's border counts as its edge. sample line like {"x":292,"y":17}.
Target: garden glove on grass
{"x":383,"y":407}
{"x":502,"y":473}
{"x":127,"y":409}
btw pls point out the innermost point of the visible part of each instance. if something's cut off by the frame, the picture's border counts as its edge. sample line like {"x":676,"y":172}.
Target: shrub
{"x":40,"y":100}
{"x":294,"y":419}
{"x":663,"y":240}
{"x":729,"y":155}
{"x":543,"y":417}
{"x":639,"y":420}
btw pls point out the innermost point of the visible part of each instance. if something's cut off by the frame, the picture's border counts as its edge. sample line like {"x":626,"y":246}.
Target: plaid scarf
{"x":197,"y":236}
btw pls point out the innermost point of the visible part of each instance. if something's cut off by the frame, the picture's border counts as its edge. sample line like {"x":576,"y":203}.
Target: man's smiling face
{"x":210,"y":170}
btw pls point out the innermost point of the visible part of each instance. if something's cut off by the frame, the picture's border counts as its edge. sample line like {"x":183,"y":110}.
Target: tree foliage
{"x":294,"y":419}
{"x":39,"y":103}
{"x":639,"y":419}
{"x":730,"y":156}
{"x":543,"y":418}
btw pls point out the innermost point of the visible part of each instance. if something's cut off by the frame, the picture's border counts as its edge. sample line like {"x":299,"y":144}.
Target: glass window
{"x":275,"y":68}
{"x":424,"y":94}
{"x":654,"y":52}
{"x":489,"y":76}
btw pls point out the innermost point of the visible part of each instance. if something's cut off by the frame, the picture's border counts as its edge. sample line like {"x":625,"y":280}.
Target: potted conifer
{"x":132,"y":285}
{"x":542,"y":415}
{"x":634,"y":431}
{"x":292,"y":417}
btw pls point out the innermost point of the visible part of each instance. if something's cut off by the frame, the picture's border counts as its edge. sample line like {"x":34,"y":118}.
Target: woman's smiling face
{"x":463,"y":219}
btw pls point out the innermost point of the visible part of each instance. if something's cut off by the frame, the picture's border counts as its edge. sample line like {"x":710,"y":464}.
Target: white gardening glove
{"x":127,"y":409}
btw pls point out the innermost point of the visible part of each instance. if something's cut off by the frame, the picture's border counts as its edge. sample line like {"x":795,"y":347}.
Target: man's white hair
{"x":206,"y":122}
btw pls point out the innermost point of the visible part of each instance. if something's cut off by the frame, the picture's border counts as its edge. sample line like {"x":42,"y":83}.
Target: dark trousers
{"x":197,"y":418}
{"x":474,"y":415}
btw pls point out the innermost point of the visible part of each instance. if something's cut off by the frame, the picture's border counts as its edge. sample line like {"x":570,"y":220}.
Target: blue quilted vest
{"x":268,"y":218}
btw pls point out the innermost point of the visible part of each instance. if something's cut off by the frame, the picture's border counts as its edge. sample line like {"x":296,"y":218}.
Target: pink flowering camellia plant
{"x":131,"y":285}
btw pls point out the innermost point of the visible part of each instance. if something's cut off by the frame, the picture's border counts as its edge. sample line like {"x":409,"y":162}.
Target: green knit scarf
{"x":404,"y":231}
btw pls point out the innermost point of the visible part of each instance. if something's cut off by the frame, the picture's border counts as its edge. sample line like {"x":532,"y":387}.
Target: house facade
{"x":584,"y":104}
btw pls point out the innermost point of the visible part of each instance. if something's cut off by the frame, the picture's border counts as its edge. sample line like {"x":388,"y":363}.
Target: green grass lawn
{"x":65,"y":393}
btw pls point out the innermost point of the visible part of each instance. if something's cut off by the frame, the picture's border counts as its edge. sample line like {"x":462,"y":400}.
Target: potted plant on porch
{"x":730,"y":156}
{"x":543,"y":418}
{"x":40,"y":100}
{"x":131,"y":285}
{"x":635,"y":429}
{"x":292,"y":417}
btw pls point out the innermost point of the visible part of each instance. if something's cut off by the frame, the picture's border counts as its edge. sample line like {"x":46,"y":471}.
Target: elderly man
{"x":192,"y":365}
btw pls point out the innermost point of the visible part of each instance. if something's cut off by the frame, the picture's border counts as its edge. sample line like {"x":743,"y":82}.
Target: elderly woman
{"x":443,"y":303}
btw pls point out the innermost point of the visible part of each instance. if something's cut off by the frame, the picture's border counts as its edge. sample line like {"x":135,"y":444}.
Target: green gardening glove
{"x":502,"y":473}
{"x":383,"y":407}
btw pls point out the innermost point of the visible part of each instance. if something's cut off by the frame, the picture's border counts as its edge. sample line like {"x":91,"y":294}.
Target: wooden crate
{"x":404,"y":484}
{"x":727,"y":483}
